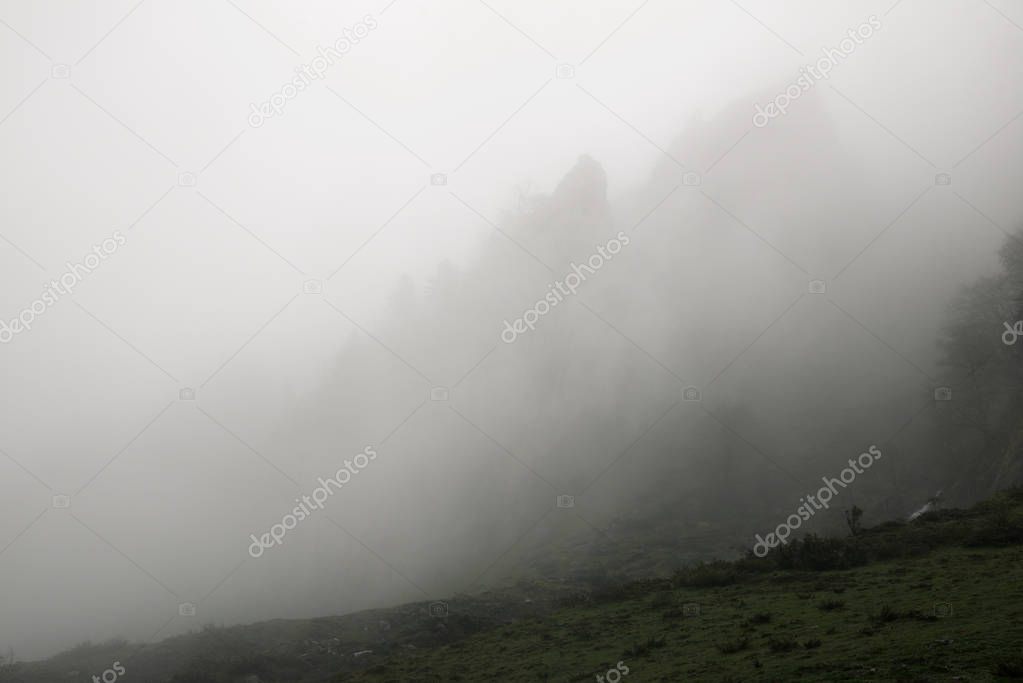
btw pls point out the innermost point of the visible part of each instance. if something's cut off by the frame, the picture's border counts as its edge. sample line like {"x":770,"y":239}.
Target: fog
{"x":283,"y":296}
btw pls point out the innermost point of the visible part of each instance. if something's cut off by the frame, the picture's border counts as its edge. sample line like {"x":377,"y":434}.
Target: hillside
{"x":938,"y":599}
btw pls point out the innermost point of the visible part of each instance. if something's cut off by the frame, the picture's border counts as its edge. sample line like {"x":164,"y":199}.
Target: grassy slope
{"x":658,"y":643}
{"x":786,"y":617}
{"x":855,"y":609}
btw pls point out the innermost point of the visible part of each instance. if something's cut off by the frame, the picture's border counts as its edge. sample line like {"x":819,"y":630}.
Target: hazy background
{"x":208,"y":291}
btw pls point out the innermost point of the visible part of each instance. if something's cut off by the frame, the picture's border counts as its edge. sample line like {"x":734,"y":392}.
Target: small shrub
{"x":889,"y":614}
{"x":730,"y":647}
{"x":782,"y":644}
{"x":813,"y":553}
{"x":886,"y":614}
{"x":640,"y":649}
{"x":707,"y":575}
{"x":574,"y":600}
{"x":852,"y":519}
{"x":661,"y":599}
{"x":830,"y":605}
{"x":1009,"y":668}
{"x":999,"y":530}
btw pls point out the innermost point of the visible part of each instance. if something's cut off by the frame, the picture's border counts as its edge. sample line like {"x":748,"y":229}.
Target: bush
{"x":730,"y":647}
{"x":782,"y":644}
{"x":1009,"y":668}
{"x":576,"y":599}
{"x":813,"y":553}
{"x":886,"y":614}
{"x":640,"y":649}
{"x":661,"y":600}
{"x":853,"y":520}
{"x":707,"y":575}
{"x":999,"y":530}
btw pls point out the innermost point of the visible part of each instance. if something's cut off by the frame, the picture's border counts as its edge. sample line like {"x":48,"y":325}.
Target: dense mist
{"x":395,"y":272}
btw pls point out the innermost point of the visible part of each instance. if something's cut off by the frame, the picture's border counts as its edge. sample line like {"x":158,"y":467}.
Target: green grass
{"x":887,"y":630}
